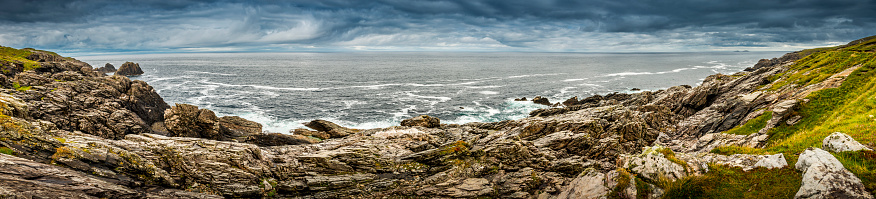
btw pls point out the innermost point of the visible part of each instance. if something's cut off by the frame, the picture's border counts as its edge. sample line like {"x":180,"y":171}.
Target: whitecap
{"x":488,"y":92}
{"x":574,"y":80}
{"x":210,"y":73}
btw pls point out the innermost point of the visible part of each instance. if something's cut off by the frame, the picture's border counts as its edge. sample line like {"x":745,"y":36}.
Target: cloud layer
{"x":434,"y":25}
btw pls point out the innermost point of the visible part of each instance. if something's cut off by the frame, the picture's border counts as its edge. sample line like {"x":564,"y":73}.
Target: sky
{"x":143,"y":26}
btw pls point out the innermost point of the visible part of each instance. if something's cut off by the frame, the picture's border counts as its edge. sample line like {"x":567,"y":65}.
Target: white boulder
{"x":840,"y":142}
{"x":825,"y":177}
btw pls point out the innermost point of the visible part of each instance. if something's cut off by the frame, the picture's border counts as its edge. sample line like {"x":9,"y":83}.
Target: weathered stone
{"x":653,"y":165}
{"x":772,"y":161}
{"x":332,"y":129}
{"x":423,"y":120}
{"x":279,"y":139}
{"x":129,"y":69}
{"x":590,"y":184}
{"x":108,"y":68}
{"x":541,"y":100}
{"x":316,"y":134}
{"x":840,"y":142}
{"x":825,"y":177}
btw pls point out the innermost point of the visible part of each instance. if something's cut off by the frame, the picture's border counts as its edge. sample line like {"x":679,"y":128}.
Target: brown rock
{"x":279,"y":139}
{"x":129,"y":69}
{"x":332,"y":129}
{"x":423,"y":120}
{"x":541,"y":100}
{"x":108,"y":68}
{"x":571,"y":101}
{"x":316,"y":134}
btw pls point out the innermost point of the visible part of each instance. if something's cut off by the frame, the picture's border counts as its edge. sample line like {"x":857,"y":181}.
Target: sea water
{"x":379,"y":89}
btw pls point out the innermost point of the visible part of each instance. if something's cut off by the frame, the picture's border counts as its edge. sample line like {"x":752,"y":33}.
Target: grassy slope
{"x":18,"y":55}
{"x":850,"y":109}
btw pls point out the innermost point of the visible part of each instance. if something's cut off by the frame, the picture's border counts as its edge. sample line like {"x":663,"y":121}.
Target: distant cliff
{"x":70,"y":131}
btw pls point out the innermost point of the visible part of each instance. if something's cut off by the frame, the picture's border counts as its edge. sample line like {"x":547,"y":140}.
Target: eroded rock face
{"x":423,"y":120}
{"x":825,"y":177}
{"x":129,"y":69}
{"x":334,"y":130}
{"x":840,"y":142}
{"x":22,"y":178}
{"x":279,"y":139}
{"x":108,"y":68}
{"x":653,"y":165}
{"x":541,"y":100}
{"x":590,"y":184}
{"x":184,"y":120}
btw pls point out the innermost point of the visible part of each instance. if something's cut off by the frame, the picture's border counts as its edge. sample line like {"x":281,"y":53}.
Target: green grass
{"x":13,"y":55}
{"x":6,"y":151}
{"x":862,"y":164}
{"x":849,"y":109}
{"x":753,"y":125}
{"x":731,"y":182}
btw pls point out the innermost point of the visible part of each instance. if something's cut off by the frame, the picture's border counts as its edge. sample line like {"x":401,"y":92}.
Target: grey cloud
{"x":551,"y":25}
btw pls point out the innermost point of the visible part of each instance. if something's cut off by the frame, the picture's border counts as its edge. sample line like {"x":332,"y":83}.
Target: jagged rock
{"x":571,"y":101}
{"x":521,"y":99}
{"x":332,"y":129}
{"x":541,"y":100}
{"x":590,"y":184}
{"x":185,"y":120}
{"x":41,"y":56}
{"x":108,"y":68}
{"x":279,"y":139}
{"x":653,"y":165}
{"x":780,"y":112}
{"x":713,"y":140}
{"x":30,"y":78}
{"x":129,"y":69}
{"x":470,"y":187}
{"x":840,"y":142}
{"x":236,"y":128}
{"x":317,"y":134}
{"x":423,"y":120}
{"x":145,"y":102}
{"x":22,"y":178}
{"x":12,"y":106}
{"x":825,"y":177}
{"x":772,"y":161}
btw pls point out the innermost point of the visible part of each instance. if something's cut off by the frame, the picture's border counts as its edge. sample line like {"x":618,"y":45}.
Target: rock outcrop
{"x":108,"y":68}
{"x":541,"y":100}
{"x":840,"y":142}
{"x":423,"y":120}
{"x":129,"y":69}
{"x":825,"y":177}
{"x":334,"y":130}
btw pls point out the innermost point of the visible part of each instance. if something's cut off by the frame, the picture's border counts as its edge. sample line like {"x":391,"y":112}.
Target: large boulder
{"x":840,"y":142}
{"x":108,"y":68}
{"x":541,"y":100}
{"x":184,"y":120}
{"x":423,"y":120}
{"x":772,"y":161}
{"x":825,"y":177}
{"x":279,"y":139}
{"x":336,"y":131}
{"x":129,"y":69}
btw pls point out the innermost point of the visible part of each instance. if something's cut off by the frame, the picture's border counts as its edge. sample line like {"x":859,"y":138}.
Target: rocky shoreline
{"x":72,"y":131}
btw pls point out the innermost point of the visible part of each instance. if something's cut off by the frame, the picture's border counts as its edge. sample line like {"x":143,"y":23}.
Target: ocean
{"x":379,"y":89}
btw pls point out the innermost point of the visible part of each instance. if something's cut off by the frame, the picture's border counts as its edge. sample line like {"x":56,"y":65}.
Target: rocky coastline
{"x":69,"y":130}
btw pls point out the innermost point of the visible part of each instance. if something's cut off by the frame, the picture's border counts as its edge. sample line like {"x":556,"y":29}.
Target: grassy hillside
{"x":18,"y":56}
{"x":850,"y":109}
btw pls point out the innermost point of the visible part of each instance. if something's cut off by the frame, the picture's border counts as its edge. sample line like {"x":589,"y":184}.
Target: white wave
{"x":210,"y":73}
{"x":488,"y":92}
{"x":622,"y":74}
{"x":374,"y":87}
{"x":574,"y":80}
{"x":591,"y":85}
{"x":534,"y":75}
{"x":566,"y":89}
{"x":439,"y":98}
{"x":259,"y":86}
{"x":480,"y":87}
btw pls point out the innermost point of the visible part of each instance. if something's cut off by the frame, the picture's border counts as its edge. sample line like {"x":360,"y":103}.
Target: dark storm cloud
{"x":557,"y":25}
